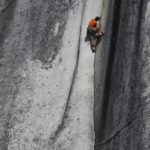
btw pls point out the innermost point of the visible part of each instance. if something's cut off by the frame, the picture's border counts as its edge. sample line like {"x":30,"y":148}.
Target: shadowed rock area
{"x":122,"y":83}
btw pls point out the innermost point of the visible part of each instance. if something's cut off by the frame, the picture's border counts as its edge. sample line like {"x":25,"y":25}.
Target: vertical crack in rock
{"x":115,"y":30}
{"x":61,"y":126}
{"x":122,"y":104}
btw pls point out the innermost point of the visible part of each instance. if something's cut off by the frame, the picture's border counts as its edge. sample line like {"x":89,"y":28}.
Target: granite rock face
{"x":46,"y":75}
{"x":122,"y":77}
{"x":30,"y":30}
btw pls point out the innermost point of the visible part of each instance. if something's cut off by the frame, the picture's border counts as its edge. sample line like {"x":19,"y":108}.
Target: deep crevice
{"x":115,"y":28}
{"x":61,"y":126}
{"x":102,"y":139}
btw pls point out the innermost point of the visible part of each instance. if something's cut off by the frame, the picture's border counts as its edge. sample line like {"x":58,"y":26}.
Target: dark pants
{"x":92,"y":38}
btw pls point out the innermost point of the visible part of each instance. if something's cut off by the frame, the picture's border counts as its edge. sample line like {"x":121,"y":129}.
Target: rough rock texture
{"x":46,"y":75}
{"x":122,"y":77}
{"x":31,"y":33}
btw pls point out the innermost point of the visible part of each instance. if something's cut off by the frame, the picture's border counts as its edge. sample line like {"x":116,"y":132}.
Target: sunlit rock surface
{"x":46,"y":75}
{"x":122,"y":77}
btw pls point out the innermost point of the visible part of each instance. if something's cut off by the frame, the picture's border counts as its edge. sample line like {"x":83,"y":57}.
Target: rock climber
{"x":94,"y":32}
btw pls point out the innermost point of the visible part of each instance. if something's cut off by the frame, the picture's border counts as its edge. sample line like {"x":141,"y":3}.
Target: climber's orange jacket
{"x":92,"y":23}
